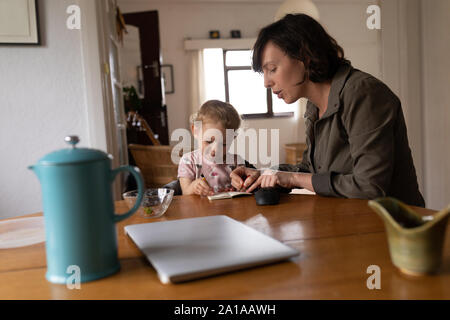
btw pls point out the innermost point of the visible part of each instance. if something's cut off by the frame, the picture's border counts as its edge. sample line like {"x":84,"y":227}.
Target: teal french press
{"x":79,"y":212}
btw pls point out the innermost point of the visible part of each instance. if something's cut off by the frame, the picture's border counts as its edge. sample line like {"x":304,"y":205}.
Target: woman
{"x":357,"y":146}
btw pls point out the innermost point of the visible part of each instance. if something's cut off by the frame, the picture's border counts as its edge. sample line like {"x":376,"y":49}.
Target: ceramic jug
{"x":79,"y":216}
{"x":415,"y":241}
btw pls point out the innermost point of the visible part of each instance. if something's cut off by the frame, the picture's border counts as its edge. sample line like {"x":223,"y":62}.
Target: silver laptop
{"x":187,"y":249}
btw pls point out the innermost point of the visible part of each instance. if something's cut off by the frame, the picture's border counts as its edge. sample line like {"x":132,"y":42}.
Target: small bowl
{"x":154,"y":204}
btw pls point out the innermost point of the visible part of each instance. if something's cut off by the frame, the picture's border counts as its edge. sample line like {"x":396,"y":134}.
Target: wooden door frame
{"x":95,"y":62}
{"x":93,"y":75}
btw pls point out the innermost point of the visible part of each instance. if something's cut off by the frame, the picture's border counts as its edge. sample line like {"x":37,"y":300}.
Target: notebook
{"x":187,"y":249}
{"x":229,"y":195}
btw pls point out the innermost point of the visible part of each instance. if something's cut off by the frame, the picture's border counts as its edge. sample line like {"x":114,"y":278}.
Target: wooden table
{"x":338,"y":239}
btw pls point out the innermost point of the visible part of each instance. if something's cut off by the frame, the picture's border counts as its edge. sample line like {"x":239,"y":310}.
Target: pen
{"x":204,"y":179}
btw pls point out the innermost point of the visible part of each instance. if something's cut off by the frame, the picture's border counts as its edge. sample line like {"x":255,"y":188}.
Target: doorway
{"x":142,"y":60}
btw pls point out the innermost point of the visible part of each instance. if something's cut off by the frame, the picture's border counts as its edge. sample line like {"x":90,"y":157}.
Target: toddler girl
{"x":206,"y":170}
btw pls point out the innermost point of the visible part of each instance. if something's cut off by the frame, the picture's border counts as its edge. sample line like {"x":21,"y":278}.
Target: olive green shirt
{"x":359,"y":147}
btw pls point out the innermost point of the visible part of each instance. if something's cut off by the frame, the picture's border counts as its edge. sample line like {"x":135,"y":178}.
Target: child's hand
{"x":201,"y":187}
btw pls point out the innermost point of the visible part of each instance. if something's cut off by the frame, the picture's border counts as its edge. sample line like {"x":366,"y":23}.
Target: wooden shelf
{"x":235,"y":43}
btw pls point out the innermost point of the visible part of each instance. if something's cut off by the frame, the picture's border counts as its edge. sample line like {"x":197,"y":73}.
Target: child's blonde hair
{"x":218,"y":111}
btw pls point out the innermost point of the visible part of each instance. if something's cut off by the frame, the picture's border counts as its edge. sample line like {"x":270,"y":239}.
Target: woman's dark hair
{"x":302,"y":38}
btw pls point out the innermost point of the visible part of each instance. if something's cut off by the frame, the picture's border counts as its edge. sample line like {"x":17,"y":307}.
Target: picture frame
{"x":19,"y":22}
{"x":167,"y":76}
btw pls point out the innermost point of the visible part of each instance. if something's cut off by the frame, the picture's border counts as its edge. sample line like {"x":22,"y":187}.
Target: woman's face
{"x":283,"y":74}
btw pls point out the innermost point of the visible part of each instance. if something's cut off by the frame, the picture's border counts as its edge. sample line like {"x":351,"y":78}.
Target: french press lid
{"x":72,"y":155}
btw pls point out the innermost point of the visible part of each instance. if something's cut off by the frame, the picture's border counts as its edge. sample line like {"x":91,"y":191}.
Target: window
{"x":229,"y":77}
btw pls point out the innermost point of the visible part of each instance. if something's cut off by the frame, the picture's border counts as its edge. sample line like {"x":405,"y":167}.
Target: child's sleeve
{"x":186,"y":167}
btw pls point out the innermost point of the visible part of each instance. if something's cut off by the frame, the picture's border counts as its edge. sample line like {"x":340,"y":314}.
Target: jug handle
{"x":140,"y":184}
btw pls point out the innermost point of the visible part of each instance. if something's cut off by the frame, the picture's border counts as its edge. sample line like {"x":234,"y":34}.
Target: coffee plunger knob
{"x":72,"y":140}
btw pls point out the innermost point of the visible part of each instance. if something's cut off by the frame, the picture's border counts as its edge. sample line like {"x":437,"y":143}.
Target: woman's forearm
{"x":302,"y":180}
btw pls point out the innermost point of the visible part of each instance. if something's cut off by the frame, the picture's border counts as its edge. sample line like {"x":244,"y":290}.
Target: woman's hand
{"x":200,"y":187}
{"x":272,"y":178}
{"x":242,"y":177}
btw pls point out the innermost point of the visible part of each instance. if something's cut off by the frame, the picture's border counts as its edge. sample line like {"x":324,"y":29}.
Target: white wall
{"x":415,"y":43}
{"x":436,"y":100}
{"x":401,"y":68}
{"x":344,"y":19}
{"x":42,"y":99}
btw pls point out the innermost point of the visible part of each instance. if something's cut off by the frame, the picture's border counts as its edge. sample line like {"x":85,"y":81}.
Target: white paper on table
{"x":302,"y":191}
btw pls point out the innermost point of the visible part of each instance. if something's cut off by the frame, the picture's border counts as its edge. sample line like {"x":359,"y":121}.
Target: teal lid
{"x":72,"y":155}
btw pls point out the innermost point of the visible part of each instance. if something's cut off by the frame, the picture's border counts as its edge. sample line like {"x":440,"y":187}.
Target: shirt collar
{"x":337,"y":84}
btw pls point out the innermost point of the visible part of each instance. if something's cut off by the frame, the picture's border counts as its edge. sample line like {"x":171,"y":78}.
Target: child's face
{"x":213,"y":140}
